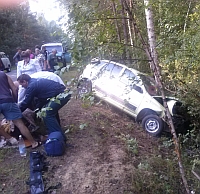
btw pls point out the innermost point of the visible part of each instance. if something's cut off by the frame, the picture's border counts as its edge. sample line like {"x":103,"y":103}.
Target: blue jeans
{"x":50,"y":119}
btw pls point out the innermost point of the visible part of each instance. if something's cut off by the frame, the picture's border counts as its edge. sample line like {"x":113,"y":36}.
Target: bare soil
{"x":97,"y":159}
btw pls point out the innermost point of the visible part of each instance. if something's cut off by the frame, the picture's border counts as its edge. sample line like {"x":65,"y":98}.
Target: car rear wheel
{"x":84,"y":87}
{"x":153,"y":125}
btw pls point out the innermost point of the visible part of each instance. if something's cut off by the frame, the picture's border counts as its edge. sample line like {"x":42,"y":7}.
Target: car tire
{"x":153,"y":125}
{"x":84,"y":87}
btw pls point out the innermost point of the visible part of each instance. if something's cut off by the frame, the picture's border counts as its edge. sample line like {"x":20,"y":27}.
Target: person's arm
{"x":13,"y":88}
{"x":17,"y":53}
{"x":30,"y":94}
{"x":19,"y":69}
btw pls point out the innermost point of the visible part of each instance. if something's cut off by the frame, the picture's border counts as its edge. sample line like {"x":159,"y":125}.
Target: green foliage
{"x":20,"y":28}
{"x":132,"y":144}
{"x":42,"y":112}
{"x":88,"y":100}
{"x":83,"y":126}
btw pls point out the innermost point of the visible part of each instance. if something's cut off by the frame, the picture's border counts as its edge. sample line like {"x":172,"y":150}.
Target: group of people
{"x":33,"y":90}
{"x":42,"y":57}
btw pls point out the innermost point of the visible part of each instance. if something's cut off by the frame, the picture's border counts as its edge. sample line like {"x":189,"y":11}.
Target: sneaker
{"x":12,"y":141}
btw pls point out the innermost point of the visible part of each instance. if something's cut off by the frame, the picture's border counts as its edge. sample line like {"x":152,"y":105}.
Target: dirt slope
{"x":97,"y":160}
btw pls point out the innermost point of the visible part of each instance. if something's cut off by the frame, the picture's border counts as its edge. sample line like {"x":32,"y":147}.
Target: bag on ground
{"x":55,"y":144}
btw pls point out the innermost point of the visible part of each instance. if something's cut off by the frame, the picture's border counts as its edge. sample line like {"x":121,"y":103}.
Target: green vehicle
{"x":63,"y":56}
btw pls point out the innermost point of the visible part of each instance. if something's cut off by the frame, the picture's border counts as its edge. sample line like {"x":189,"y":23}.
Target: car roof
{"x":52,"y":44}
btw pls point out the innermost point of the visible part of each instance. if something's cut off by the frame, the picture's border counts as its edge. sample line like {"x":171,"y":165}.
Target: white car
{"x":4,"y":62}
{"x":131,"y":91}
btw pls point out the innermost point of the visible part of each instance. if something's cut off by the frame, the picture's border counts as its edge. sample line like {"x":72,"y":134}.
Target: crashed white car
{"x":4,"y":62}
{"x":132,"y":92}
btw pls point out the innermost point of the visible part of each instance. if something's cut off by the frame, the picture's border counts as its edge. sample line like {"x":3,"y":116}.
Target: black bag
{"x":37,"y":165}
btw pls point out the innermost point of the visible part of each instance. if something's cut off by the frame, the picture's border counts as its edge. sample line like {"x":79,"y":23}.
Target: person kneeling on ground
{"x":10,"y":110}
{"x":29,"y":114}
{"x":44,"y":90}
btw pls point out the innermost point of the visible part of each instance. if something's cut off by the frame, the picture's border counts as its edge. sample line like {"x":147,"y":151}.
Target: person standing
{"x":17,"y":56}
{"x":28,"y":66}
{"x":40,"y":57}
{"x":11,"y":111}
{"x":45,"y":53}
{"x":43,"y":90}
{"x":52,"y":60}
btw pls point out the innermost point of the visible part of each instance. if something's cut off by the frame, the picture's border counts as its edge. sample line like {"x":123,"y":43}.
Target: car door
{"x":107,"y":80}
{"x":131,"y":88}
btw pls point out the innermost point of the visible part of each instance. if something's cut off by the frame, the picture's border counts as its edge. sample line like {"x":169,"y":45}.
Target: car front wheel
{"x":84,"y":87}
{"x":153,"y":125}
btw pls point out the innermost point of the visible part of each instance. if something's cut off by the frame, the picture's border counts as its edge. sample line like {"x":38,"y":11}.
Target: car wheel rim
{"x":152,"y":125}
{"x":84,"y":88}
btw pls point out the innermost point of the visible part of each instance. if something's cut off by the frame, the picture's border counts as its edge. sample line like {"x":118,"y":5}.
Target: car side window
{"x":130,"y":79}
{"x":115,"y":71}
{"x":108,"y":68}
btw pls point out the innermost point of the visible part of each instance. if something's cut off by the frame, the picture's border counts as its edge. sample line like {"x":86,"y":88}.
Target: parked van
{"x":63,"y":56}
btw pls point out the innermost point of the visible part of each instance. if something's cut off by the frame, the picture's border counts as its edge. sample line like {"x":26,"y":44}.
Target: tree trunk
{"x":129,"y":26}
{"x":154,"y":64}
{"x":116,"y":23}
{"x":156,"y":69}
{"x":127,"y":55}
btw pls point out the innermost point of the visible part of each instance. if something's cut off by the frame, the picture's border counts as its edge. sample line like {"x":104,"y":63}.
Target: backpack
{"x":55,"y":144}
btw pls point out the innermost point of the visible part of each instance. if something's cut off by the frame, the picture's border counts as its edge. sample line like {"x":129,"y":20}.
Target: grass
{"x":13,"y":171}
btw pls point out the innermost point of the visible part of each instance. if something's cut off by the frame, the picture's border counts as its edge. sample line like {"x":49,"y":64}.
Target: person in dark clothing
{"x":43,"y":90}
{"x":45,"y":53}
{"x":10,"y":110}
{"x":52,"y":60}
{"x":17,"y":57}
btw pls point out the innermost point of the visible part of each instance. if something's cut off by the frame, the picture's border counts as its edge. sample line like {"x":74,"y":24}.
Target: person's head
{"x":23,"y":80}
{"x":43,"y":48}
{"x":37,"y":46}
{"x":28,"y":51}
{"x":25,"y":56}
{"x":54,"y":51}
{"x":37,"y":51}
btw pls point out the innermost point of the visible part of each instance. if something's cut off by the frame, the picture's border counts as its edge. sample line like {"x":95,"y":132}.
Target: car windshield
{"x":150,"y":85}
{"x":58,"y":48}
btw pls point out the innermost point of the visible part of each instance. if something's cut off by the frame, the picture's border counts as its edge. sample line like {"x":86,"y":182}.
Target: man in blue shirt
{"x":44,"y":90}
